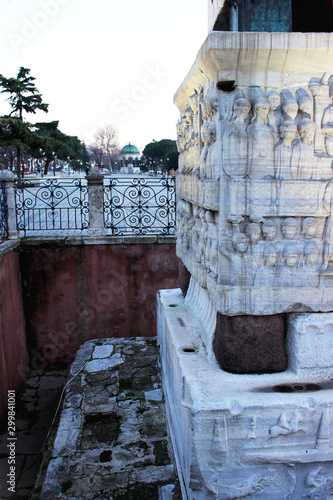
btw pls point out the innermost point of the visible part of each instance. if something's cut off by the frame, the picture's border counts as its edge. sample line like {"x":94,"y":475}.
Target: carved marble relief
{"x":259,"y":193}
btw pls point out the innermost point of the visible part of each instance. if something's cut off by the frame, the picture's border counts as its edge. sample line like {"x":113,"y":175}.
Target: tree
{"x":162,"y":153}
{"x":24,"y":96}
{"x":105,"y":148}
{"x":52,"y":143}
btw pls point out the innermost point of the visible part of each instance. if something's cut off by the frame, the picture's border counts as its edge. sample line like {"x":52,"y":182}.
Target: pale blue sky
{"x":104,"y":61}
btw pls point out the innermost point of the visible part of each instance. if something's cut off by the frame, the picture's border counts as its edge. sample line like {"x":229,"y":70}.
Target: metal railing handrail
{"x":111,"y":205}
{"x":52,"y":205}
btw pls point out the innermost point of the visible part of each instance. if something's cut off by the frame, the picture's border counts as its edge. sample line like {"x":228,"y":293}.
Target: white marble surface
{"x":233,"y":434}
{"x":255,"y":181}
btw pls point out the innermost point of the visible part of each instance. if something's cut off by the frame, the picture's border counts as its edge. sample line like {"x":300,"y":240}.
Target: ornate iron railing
{"x":140,"y":206}
{"x":3,"y":211}
{"x":52,"y":205}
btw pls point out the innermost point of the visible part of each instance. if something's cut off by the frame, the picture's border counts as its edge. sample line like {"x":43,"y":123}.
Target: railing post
{"x":95,"y":200}
{"x":9,"y":179}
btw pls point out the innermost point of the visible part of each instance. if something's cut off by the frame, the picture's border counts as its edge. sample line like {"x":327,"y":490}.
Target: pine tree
{"x":24,"y":97}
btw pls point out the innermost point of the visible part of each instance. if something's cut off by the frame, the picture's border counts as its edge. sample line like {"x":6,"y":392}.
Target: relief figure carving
{"x":210,"y":104}
{"x":327,"y":125}
{"x":201,"y":255}
{"x":290,"y":234}
{"x":197,"y":233}
{"x":309,"y":271}
{"x":305,"y":106}
{"x":266,"y":273}
{"x":208,"y":133}
{"x":242,"y":265}
{"x":303,"y":161}
{"x":274,"y":116}
{"x":253,"y":232}
{"x":235,"y":142}
{"x":309,"y":233}
{"x":319,"y":484}
{"x":288,"y":275}
{"x":261,"y":141}
{"x":212,"y":246}
{"x":254,"y":485}
{"x":269,"y":230}
{"x":283,"y":150}
{"x":287,"y":425}
{"x":214,"y":153}
{"x":180,"y":145}
{"x":194,"y":100}
{"x":289,"y":109}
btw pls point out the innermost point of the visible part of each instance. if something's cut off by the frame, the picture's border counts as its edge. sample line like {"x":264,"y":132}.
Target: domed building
{"x":129,"y":156}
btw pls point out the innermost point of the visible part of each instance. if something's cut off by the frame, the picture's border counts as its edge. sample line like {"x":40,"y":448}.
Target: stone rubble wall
{"x":112,"y":440}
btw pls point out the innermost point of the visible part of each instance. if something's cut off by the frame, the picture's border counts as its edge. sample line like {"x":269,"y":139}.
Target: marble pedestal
{"x":248,"y":436}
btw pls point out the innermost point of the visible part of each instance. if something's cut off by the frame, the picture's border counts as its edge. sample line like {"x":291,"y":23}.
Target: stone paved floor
{"x":35,"y":409}
{"x":112,"y":440}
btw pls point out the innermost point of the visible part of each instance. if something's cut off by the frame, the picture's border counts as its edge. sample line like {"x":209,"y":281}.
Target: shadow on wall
{"x":13,"y":349}
{"x":76,"y":293}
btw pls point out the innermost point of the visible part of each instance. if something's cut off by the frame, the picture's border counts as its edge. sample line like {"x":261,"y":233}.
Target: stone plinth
{"x":254,"y":231}
{"x":246,"y":436}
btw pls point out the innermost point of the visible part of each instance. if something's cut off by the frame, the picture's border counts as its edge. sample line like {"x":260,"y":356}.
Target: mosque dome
{"x":130,"y":149}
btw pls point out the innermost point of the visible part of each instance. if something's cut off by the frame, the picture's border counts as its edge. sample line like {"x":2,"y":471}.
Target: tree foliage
{"x":52,"y":144}
{"x":164,"y":153}
{"x":23,"y":97}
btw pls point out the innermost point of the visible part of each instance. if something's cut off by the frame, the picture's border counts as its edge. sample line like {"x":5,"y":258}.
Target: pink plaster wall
{"x":77,"y":293}
{"x":13,"y":349}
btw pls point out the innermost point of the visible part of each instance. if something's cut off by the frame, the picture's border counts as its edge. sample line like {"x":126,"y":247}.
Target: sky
{"x":100,"y":62}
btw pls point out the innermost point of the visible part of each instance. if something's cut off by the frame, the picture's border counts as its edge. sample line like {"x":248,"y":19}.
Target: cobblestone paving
{"x":36,"y":404}
{"x":112,"y":440}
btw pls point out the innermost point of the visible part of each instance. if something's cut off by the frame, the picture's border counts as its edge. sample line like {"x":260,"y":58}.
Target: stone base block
{"x":242,"y":436}
{"x":250,"y":344}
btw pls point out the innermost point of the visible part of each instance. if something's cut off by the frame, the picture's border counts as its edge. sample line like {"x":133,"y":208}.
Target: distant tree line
{"x":21,"y":141}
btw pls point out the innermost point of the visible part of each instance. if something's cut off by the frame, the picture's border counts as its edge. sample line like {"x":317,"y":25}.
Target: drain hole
{"x":189,"y":350}
{"x":296,"y":388}
{"x":299,"y":388}
{"x":173,"y":305}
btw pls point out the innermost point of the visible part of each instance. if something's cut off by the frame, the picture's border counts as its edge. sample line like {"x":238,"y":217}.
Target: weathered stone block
{"x":250,"y":344}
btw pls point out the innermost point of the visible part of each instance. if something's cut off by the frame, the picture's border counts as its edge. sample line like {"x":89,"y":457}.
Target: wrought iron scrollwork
{"x":53,"y":205}
{"x":3,"y":211}
{"x":140,"y":206}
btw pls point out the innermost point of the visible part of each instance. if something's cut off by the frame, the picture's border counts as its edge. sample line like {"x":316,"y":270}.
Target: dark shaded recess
{"x":137,"y":492}
{"x":257,"y":15}
{"x":312,"y":16}
{"x":101,"y":428}
{"x":226,"y":85}
{"x":265,"y":15}
{"x":184,"y":278}
{"x":105,"y":456}
{"x":222,"y":22}
{"x":250,"y":344}
{"x":296,"y":388}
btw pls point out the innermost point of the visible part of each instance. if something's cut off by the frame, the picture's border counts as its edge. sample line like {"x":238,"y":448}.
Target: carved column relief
{"x":261,"y":151}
